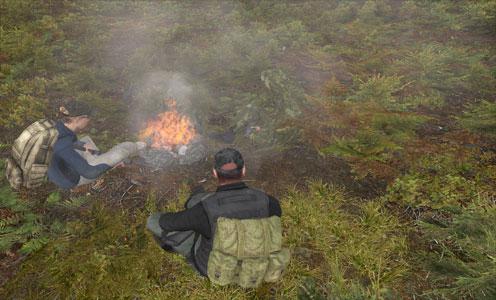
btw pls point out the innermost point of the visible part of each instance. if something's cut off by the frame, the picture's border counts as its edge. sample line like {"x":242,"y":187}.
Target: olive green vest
{"x":245,"y":247}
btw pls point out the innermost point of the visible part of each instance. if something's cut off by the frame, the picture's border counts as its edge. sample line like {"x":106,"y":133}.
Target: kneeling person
{"x":232,"y":235}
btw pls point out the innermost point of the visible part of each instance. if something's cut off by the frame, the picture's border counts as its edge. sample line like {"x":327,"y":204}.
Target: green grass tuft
{"x":348,"y":246}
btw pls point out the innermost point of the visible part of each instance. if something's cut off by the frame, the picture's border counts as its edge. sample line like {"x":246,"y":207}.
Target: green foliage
{"x":464,"y":251}
{"x":24,"y":102}
{"x":367,"y":144}
{"x":19,"y":225}
{"x":73,"y":203}
{"x":379,"y":139}
{"x":31,"y":50}
{"x":471,"y":16}
{"x":450,"y":70}
{"x":110,"y":248}
{"x":480,"y":118}
{"x":365,"y":244}
{"x":20,"y":12}
{"x":293,"y":35}
{"x":289,"y":97}
{"x":334,"y":236}
{"x":379,"y":89}
{"x":53,"y":198}
{"x":385,"y":91}
{"x":441,"y":182}
{"x":416,"y":190}
{"x":451,"y":199}
{"x":384,"y":63}
{"x":481,"y":15}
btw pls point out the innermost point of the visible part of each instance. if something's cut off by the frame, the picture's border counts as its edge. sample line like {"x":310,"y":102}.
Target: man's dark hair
{"x":227,"y":156}
{"x":75,"y":108}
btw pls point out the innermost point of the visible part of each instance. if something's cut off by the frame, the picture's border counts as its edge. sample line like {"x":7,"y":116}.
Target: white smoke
{"x":149,"y":94}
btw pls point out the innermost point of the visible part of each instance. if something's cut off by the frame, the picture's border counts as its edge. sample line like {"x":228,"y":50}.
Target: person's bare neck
{"x":71,"y":126}
{"x":222,"y":182}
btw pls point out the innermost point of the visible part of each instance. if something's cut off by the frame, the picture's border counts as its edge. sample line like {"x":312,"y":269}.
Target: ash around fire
{"x":189,"y":154}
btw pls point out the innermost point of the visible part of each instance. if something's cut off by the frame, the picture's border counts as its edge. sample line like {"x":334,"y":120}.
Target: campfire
{"x":169,"y":130}
{"x":173,"y":138}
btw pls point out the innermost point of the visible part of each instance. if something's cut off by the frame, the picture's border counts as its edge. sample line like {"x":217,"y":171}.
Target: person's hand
{"x":119,"y":165}
{"x":91,"y":151}
{"x":89,"y":148}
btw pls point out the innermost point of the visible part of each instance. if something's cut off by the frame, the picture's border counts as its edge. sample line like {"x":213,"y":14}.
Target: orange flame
{"x":169,"y":129}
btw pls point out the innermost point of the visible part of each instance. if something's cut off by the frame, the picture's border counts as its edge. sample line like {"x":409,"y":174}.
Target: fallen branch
{"x":124,"y":194}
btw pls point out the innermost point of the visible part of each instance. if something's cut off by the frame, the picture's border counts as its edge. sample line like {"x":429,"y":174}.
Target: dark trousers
{"x":181,"y":242}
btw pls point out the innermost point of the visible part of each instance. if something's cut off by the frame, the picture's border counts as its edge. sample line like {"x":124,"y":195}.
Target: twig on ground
{"x":163,"y":195}
{"x":124,"y":194}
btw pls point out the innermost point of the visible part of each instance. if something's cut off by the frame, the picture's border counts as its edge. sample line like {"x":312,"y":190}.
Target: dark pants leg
{"x":176,"y":241}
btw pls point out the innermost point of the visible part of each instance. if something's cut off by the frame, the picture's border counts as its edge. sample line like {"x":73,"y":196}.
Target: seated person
{"x":232,"y":199}
{"x":74,"y":162}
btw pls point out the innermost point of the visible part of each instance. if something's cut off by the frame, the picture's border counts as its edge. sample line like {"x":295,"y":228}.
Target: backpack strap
{"x":43,"y":150}
{"x":32,"y":131}
{"x":28,"y":148}
{"x":43,"y":155}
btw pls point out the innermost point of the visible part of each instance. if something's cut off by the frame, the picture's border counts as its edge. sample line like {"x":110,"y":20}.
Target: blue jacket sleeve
{"x":80,"y":165}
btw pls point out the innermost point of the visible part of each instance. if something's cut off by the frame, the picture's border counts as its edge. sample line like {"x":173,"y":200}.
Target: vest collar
{"x":232,"y":186}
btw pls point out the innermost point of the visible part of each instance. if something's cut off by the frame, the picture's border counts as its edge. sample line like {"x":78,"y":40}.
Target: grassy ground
{"x":377,"y":135}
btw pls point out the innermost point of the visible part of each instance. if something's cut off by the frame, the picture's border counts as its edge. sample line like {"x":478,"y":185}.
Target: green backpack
{"x":31,"y":154}
{"x":247,"y":252}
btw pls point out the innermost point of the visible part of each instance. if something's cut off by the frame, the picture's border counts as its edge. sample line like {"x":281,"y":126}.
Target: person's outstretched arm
{"x":193,"y":218}
{"x":80,"y":165}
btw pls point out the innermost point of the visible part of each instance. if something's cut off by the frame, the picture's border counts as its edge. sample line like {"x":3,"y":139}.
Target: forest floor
{"x":378,"y":137}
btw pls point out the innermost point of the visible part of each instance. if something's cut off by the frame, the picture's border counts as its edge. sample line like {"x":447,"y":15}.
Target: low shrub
{"x":480,"y":118}
{"x":346,"y":245}
{"x":462,"y":256}
{"x":19,"y":225}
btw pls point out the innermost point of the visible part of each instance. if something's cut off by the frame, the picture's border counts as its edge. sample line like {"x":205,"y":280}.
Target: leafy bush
{"x":19,"y":225}
{"x":441,"y":181}
{"x":477,"y":16}
{"x":380,"y":138}
{"x":349,"y":247}
{"x":481,"y":15}
{"x":293,"y":35}
{"x":463,"y":257}
{"x":449,"y":70}
{"x":416,"y":190}
{"x":386,"y":65}
{"x":23,"y":102}
{"x":480,"y":118}
{"x":451,"y":198}
{"x":379,"y":89}
{"x":17,"y":12}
